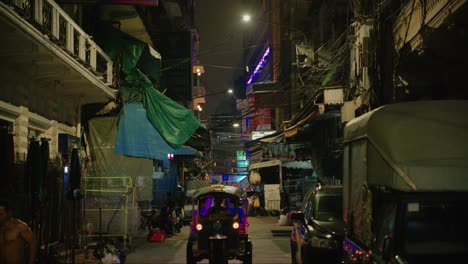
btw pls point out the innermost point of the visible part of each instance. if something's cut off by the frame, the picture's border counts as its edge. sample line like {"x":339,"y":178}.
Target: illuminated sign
{"x":260,"y":134}
{"x":241,"y":155}
{"x":261,"y":64}
{"x":242,"y":161}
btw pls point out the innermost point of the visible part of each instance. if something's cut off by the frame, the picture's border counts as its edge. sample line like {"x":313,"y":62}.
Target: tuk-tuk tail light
{"x":235,"y":225}
{"x":199,"y":227}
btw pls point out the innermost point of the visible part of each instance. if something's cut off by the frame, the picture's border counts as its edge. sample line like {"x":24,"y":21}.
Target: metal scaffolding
{"x":106,"y":202}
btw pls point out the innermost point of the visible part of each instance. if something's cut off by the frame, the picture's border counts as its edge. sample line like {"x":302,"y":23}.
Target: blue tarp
{"x":137,"y":137}
{"x":187,"y":151}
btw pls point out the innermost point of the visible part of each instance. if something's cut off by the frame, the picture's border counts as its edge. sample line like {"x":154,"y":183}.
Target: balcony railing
{"x":52,"y":20}
{"x":416,"y":15}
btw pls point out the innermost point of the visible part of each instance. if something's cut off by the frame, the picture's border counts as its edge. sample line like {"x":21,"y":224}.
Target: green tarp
{"x":175,"y":123}
{"x":120,"y":46}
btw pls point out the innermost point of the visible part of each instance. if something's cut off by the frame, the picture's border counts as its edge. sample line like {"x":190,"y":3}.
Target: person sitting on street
{"x":163,"y":221}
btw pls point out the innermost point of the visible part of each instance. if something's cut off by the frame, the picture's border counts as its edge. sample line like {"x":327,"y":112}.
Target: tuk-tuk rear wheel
{"x":189,"y":254}
{"x":248,"y":256}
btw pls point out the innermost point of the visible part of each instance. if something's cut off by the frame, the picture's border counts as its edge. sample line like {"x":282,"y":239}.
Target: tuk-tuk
{"x":219,"y":228}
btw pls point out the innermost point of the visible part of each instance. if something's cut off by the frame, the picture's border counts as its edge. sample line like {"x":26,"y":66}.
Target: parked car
{"x":318,"y":231}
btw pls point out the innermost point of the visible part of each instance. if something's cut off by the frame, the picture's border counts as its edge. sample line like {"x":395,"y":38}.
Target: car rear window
{"x":328,"y":207}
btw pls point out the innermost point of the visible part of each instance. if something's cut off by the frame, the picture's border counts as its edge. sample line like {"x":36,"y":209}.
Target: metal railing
{"x":52,"y":20}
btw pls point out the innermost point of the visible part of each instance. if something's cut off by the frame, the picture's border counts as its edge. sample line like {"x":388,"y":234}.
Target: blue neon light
{"x":261,"y":64}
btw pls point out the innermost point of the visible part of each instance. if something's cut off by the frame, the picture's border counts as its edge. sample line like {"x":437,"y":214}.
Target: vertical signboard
{"x":242,"y":161}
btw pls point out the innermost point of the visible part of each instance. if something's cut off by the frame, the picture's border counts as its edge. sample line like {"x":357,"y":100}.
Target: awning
{"x":292,"y":130}
{"x":265,"y":164}
{"x":266,"y":139}
{"x":307,"y":115}
{"x":293,"y":164}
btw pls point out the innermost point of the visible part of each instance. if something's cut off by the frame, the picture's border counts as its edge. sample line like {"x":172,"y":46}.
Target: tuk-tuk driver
{"x":218,"y":207}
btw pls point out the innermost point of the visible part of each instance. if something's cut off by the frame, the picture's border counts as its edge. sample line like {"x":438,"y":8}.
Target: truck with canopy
{"x":275,"y":176}
{"x":405,"y":178}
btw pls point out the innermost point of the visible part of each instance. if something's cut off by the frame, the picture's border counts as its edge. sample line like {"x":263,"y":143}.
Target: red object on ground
{"x":157,"y":235}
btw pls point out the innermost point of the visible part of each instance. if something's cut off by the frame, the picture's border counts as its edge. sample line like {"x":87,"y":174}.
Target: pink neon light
{"x":259,"y":65}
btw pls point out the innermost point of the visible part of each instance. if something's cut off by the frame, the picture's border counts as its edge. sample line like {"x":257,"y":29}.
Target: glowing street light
{"x":229,"y":91}
{"x":246,"y":18}
{"x":235,"y":125}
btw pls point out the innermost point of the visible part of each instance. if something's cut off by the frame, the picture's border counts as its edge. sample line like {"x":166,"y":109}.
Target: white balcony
{"x":48,"y":63}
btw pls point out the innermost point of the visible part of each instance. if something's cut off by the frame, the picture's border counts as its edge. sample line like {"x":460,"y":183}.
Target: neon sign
{"x":259,"y":67}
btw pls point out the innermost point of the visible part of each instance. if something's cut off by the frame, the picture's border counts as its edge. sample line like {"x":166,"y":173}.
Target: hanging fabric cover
{"x":6,"y":161}
{"x":137,"y":137}
{"x":75,"y":173}
{"x":174,"y":122}
{"x":33,"y":169}
{"x":44,"y":159}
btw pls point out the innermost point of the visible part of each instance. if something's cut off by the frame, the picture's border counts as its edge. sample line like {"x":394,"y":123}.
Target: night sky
{"x":220,"y":28}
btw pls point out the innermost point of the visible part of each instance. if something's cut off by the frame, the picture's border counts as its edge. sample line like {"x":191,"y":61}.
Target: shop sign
{"x":260,"y":134}
{"x":278,"y":151}
{"x":262,"y":119}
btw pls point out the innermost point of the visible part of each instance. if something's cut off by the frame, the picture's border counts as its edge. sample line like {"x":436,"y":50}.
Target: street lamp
{"x":247,"y":18}
{"x":229,"y":91}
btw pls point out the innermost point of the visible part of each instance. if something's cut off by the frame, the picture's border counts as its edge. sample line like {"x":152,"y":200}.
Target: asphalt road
{"x":268,"y":247}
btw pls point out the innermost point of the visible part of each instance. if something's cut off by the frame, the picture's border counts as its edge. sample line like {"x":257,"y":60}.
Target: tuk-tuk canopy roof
{"x":219,"y":188}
